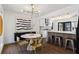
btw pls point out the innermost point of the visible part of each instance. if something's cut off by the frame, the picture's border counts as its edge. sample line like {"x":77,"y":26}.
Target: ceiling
{"x":43,"y":8}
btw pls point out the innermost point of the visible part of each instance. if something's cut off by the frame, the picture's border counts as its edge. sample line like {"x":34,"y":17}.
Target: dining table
{"x":30,"y":36}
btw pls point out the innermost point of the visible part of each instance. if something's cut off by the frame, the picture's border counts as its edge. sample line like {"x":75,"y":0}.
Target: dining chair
{"x":24,"y":42}
{"x":39,"y":43}
{"x":21,"y":42}
{"x":18,"y":39}
{"x":31,"y":47}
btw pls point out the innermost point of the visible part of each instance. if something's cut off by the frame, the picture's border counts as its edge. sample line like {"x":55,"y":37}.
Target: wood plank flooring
{"x":15,"y":48}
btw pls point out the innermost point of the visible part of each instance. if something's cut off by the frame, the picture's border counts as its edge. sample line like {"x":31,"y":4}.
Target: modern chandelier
{"x":34,"y":9}
{"x":31,"y":9}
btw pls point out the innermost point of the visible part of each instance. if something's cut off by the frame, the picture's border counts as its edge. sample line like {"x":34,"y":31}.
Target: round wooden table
{"x":31,"y":36}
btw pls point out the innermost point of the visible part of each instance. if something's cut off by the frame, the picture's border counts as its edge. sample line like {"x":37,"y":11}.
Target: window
{"x":64,"y":26}
{"x":67,"y":26}
{"x":60,"y":26}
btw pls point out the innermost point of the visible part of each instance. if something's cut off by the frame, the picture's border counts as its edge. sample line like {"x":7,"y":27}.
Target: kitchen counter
{"x":65,"y":32}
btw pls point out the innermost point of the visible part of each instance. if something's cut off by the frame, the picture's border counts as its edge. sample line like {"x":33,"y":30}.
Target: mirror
{"x":1,"y":25}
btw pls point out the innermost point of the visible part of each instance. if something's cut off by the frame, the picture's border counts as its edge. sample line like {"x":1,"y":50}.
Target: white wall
{"x":9,"y":29}
{"x":2,"y":36}
{"x":36,"y":22}
{"x":10,"y":18}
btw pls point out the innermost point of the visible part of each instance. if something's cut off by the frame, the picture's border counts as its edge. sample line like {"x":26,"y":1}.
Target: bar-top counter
{"x":64,"y":34}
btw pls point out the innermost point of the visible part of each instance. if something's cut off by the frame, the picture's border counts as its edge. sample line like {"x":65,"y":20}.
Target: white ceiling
{"x":43,"y":8}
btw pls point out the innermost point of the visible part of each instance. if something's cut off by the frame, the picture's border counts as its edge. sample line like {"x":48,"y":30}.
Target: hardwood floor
{"x":15,"y":48}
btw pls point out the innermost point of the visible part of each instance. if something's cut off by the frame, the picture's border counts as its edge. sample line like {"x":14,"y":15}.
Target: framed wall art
{"x":1,"y":25}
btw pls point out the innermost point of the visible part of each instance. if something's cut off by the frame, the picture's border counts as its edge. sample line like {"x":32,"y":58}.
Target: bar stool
{"x":72,"y":44}
{"x":53,"y":39}
{"x":59,"y":40}
{"x":49,"y":40}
